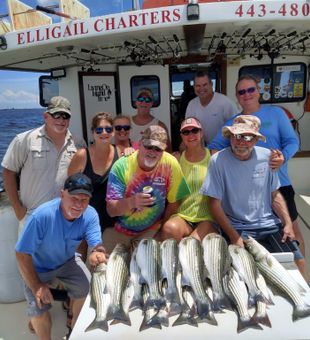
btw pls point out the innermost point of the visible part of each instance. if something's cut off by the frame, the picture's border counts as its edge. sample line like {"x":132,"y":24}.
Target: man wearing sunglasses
{"x":46,"y":250}
{"x":212,"y":109}
{"x":144,"y":119}
{"x":40,"y":159}
{"x":244,"y":194}
{"x":280,"y":139}
{"x":144,"y":190}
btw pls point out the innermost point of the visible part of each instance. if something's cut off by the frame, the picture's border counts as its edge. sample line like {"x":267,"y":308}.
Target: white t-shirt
{"x":214,"y":115}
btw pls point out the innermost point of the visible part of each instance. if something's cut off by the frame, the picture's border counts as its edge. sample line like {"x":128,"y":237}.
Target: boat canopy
{"x":162,"y":35}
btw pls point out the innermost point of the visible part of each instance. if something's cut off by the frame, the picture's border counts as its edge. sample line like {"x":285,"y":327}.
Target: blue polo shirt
{"x":52,"y":240}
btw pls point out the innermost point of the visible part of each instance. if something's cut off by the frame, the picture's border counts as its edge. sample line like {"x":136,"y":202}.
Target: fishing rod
{"x":51,"y":11}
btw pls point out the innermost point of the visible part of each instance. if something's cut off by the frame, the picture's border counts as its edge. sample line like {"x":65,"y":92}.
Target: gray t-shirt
{"x":244,"y":188}
{"x":214,"y":115}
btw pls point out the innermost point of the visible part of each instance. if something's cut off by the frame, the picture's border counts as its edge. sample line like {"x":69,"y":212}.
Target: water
{"x":14,"y":121}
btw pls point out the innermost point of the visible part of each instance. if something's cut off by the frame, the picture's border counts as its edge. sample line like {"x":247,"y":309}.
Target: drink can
{"x":148,"y":190}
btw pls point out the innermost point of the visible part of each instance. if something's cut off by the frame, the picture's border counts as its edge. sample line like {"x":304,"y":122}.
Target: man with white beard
{"x":139,"y":187}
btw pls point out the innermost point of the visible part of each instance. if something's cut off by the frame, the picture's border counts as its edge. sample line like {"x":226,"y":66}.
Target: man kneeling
{"x":46,"y":249}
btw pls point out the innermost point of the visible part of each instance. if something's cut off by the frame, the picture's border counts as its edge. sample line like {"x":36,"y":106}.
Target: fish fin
{"x":245,"y":324}
{"x":136,"y":303}
{"x":263,"y":320}
{"x":98,"y":324}
{"x":173,"y":303}
{"x":163,"y":317}
{"x":154,"y":322}
{"x":154,"y":303}
{"x":118,"y":314}
{"x":203,"y":309}
{"x":301,"y":312}
{"x":185,"y":318}
{"x":220,"y":302}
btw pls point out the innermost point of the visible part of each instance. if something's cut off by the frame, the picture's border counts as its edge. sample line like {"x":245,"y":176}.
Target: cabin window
{"x":279,"y":83}
{"x":150,"y":81}
{"x":49,"y":87}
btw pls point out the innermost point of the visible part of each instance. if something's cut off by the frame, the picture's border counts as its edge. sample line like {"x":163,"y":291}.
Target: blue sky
{"x":21,"y":89}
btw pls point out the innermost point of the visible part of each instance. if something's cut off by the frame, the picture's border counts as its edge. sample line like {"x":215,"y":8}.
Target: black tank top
{"x":100,"y":189}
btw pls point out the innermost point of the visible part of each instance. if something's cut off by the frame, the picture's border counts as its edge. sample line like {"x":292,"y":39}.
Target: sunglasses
{"x":63,"y":115}
{"x":244,"y":91}
{"x":144,"y":99}
{"x":153,"y":148}
{"x":122,"y":127}
{"x":99,"y":129}
{"x":246,"y":138}
{"x":188,"y":132}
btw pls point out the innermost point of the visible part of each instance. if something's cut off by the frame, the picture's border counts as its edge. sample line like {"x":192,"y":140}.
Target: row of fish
{"x":193,"y":280}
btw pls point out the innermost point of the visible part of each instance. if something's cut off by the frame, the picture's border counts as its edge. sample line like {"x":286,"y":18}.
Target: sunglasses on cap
{"x":100,"y":129}
{"x":63,"y":115}
{"x":246,"y":138}
{"x":244,"y":91}
{"x":144,"y":99}
{"x":188,"y":132}
{"x":122,"y":127}
{"x":153,"y":148}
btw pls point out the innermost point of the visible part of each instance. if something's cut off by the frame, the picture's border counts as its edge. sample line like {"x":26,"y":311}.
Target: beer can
{"x":148,"y":190}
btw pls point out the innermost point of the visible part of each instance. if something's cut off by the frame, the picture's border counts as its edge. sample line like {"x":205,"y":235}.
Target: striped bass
{"x":217,"y":262}
{"x":170,"y":267}
{"x":188,"y":309}
{"x":135,"y":278}
{"x":149,"y":261}
{"x":261,"y":315}
{"x":151,"y":316}
{"x":236,"y":289}
{"x":190,"y":255}
{"x":244,"y":264}
{"x":99,"y":300}
{"x":117,"y":278}
{"x":275,"y":273}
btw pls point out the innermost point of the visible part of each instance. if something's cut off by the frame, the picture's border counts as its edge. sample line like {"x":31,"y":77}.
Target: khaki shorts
{"x":111,"y":237}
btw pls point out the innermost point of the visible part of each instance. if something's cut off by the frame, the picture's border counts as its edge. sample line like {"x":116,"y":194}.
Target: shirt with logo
{"x":126,"y":179}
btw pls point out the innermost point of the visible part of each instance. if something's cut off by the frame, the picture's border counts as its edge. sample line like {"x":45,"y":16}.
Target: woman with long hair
{"x":96,"y":162}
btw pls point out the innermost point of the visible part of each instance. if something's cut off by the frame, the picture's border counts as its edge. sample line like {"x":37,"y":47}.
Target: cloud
{"x":19,"y":99}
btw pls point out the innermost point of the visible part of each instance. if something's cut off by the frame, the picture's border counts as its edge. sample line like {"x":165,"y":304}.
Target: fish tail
{"x":154,"y":322}
{"x":263,"y":320}
{"x":220,"y":303}
{"x":203,"y":309}
{"x":245,"y":324}
{"x":103,"y":324}
{"x":136,"y":303}
{"x":185,"y":318}
{"x":173,"y":303}
{"x":301,"y":311}
{"x":118,"y":313}
{"x":157,"y":303}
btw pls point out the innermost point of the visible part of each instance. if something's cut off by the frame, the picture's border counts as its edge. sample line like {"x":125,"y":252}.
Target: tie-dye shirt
{"x":126,"y":179}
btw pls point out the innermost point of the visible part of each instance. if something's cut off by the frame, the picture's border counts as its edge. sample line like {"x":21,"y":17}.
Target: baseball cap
{"x":190,"y":122}
{"x":155,"y":135}
{"x":145,"y":91}
{"x":244,"y":124}
{"x":78,"y":184}
{"x":59,"y":104}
